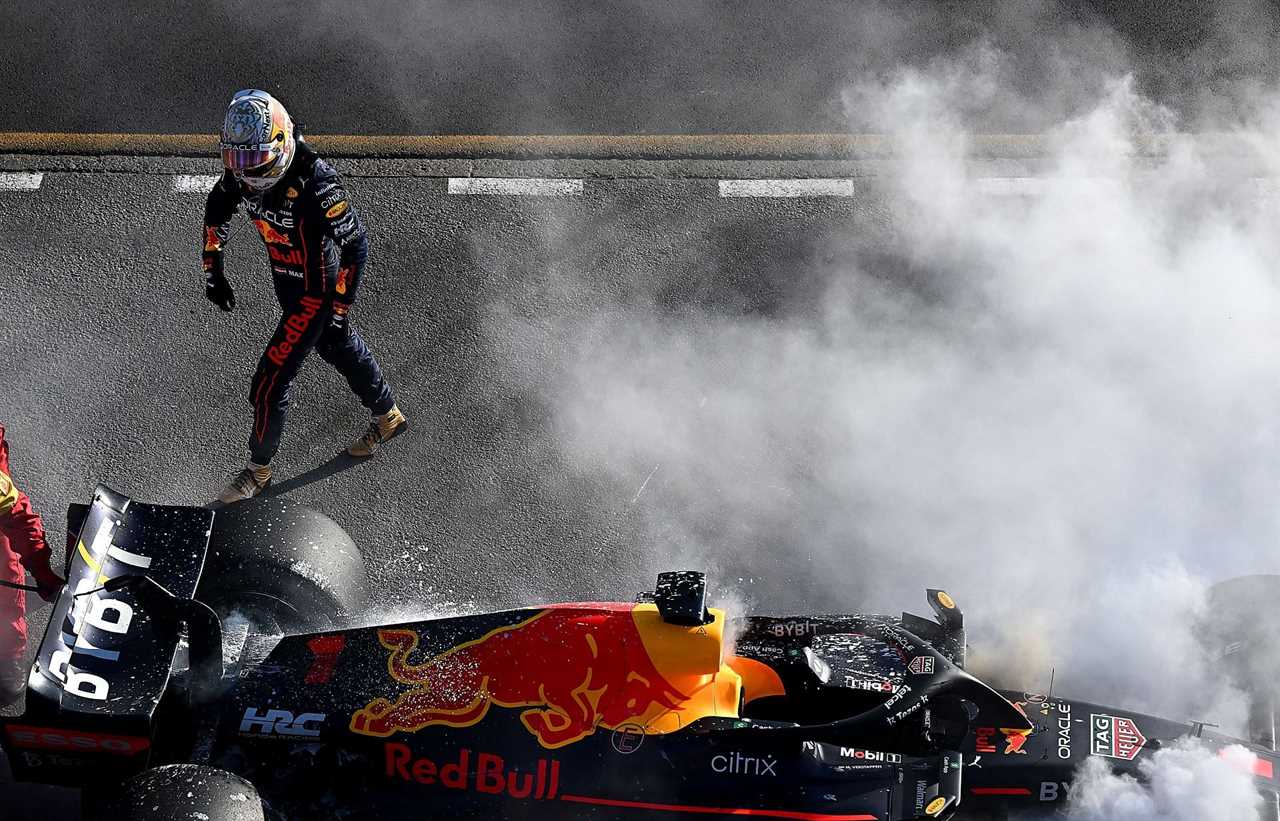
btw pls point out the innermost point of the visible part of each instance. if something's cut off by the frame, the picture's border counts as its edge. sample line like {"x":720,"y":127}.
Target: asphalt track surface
{"x":120,"y":372}
{"x":563,"y":67}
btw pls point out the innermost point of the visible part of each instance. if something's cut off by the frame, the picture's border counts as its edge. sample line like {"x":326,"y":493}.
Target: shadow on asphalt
{"x":340,"y":462}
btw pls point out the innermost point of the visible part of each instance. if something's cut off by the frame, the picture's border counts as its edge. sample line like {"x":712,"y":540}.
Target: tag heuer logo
{"x":1115,"y":737}
{"x":921,"y":665}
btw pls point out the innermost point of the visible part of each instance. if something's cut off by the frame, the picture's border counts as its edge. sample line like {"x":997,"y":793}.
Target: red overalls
{"x":22,"y":544}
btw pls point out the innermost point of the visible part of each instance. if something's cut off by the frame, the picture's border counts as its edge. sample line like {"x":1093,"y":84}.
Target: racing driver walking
{"x":317,"y":248}
{"x":22,"y":545}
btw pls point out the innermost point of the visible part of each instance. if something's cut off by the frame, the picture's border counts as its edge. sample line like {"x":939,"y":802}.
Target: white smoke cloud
{"x":1058,"y":404}
{"x":1182,"y":781}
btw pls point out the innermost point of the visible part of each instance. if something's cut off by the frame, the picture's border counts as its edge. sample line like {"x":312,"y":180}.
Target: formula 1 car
{"x":202,"y":665}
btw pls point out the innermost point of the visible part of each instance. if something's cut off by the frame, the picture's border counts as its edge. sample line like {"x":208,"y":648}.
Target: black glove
{"x":216,"y":288}
{"x":339,"y":320}
{"x":48,"y":584}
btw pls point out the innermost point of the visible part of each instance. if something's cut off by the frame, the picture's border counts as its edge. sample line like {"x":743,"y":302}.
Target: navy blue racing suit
{"x":317,"y":246}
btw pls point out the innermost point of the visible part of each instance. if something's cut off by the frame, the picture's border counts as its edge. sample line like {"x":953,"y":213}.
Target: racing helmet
{"x":258,"y":139}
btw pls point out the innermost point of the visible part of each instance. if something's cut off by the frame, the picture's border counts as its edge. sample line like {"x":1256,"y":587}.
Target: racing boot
{"x":248,"y":483}
{"x":381,"y":429}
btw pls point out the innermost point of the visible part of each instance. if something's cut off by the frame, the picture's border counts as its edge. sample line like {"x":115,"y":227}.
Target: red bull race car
{"x":203,"y":664}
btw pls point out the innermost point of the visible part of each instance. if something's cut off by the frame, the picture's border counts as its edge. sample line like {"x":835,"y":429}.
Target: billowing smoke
{"x":1183,"y":781}
{"x":1048,"y":385}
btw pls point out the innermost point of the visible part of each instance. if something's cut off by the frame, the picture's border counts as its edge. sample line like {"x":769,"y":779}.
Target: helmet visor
{"x":244,"y":159}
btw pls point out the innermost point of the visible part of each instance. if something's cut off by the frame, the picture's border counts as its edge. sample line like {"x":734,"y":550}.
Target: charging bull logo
{"x":270,"y":235}
{"x":1014,"y":740}
{"x":575,"y":672}
{"x":212,"y":240}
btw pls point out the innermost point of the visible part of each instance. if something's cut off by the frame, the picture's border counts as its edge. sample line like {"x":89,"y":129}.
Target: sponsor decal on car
{"x":601,"y":653}
{"x":1053,"y":790}
{"x":60,"y":739}
{"x":281,"y":723}
{"x":325,"y":651}
{"x":945,"y":600}
{"x":479,"y":772}
{"x":1115,"y":737}
{"x":97,"y":623}
{"x":902,"y":693}
{"x":908,"y":712}
{"x":627,"y":739}
{"x":735,"y":763}
{"x":1064,"y":731}
{"x":797,"y":627}
{"x":1061,"y":722}
{"x":921,"y":665}
{"x":899,"y":638}
{"x":870,"y":755}
{"x":1014,"y":739}
{"x":870,"y":685}
{"x":59,"y":761}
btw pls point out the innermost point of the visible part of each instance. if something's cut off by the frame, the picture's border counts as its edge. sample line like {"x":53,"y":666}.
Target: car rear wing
{"x":107,"y":654}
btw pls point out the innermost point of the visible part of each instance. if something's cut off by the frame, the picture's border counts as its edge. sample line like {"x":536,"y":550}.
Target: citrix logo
{"x":736,"y":763}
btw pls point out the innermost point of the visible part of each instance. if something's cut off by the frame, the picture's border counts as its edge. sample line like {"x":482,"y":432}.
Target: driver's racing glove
{"x":48,"y":583}
{"x":216,"y":288}
{"x":339,"y":320}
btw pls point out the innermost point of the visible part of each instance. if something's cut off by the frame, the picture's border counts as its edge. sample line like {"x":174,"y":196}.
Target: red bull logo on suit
{"x":295,"y":325}
{"x":270,"y":235}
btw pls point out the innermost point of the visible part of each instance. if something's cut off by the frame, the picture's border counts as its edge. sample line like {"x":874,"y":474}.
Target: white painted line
{"x":515,"y":186}
{"x":1046,"y":186}
{"x":786,"y":188}
{"x":20,"y":181}
{"x":191,"y":184}
{"x":1012,"y":186}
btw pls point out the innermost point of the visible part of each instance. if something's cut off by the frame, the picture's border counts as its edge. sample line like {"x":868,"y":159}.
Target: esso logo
{"x":63,"y":740}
